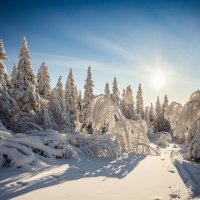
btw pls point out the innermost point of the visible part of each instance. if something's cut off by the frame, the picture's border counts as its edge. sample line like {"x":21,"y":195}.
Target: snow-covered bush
{"x":105,"y":117}
{"x":9,"y":110}
{"x":95,"y":145}
{"x":194,"y":147}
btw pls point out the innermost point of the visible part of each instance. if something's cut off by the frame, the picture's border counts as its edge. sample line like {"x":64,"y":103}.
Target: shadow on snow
{"x":12,"y":184}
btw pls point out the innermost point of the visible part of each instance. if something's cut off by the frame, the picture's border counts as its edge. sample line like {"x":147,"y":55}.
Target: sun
{"x":158,"y":80}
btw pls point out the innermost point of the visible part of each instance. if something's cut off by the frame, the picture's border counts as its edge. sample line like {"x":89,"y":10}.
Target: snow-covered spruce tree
{"x":88,"y":94}
{"x":165,"y":103}
{"x":4,"y":83}
{"x":122,"y":103}
{"x":60,"y":90}
{"x":107,"y":89}
{"x":44,"y":82}
{"x":80,"y":107}
{"x":128,"y":103}
{"x":9,"y":109}
{"x":13,"y":80}
{"x":71,"y":100}
{"x":139,"y":102}
{"x":166,"y":123}
{"x":58,"y":108}
{"x":151,"y":114}
{"x":159,"y":116}
{"x":25,"y":92}
{"x":115,"y":92}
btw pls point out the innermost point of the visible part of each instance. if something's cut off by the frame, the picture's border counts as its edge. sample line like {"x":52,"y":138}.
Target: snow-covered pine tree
{"x":165,"y":103}
{"x":151,"y":114}
{"x":44,"y":82}
{"x":107,"y":89}
{"x":13,"y":80}
{"x":115,"y":92}
{"x":122,"y":103}
{"x":88,"y":94}
{"x":25,"y":92}
{"x":80,"y":107}
{"x":59,"y":88}
{"x":139,"y":102}
{"x":166,"y":123}
{"x":159,"y":116}
{"x":9,"y":110}
{"x":4,"y":83}
{"x":128,"y":103}
{"x":71,"y":100}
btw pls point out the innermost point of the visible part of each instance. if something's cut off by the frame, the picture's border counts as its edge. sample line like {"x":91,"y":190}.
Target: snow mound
{"x":188,"y":120}
{"x":95,"y":145}
{"x":162,"y":140}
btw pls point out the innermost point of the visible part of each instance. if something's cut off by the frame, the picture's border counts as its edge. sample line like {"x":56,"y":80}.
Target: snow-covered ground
{"x":130,"y":177}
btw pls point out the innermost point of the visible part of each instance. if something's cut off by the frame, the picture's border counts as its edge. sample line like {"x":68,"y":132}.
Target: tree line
{"x":64,"y":108}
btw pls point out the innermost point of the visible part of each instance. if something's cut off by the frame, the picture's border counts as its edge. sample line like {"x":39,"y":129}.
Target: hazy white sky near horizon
{"x":130,"y":40}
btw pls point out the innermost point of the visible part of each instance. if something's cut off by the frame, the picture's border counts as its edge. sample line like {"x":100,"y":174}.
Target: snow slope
{"x":131,"y":177}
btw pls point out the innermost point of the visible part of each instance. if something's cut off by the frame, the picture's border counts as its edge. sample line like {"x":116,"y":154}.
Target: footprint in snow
{"x":174,"y":196}
{"x":22,"y":183}
{"x":56,"y":176}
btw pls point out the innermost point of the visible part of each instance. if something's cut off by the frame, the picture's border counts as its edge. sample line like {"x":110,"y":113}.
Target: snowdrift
{"x":20,"y":149}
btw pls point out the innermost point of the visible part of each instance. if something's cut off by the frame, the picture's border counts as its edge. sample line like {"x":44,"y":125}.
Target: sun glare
{"x":158,"y":80}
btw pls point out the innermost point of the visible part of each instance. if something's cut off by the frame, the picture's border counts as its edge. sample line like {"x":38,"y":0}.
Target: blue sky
{"x":132,"y":40}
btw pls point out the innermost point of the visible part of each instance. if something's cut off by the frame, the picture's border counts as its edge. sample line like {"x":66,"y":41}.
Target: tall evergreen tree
{"x":159,"y":116}
{"x":166,"y":124}
{"x":122,"y":103}
{"x":107,"y":90}
{"x":88,"y":94}
{"x":4,"y":83}
{"x":80,"y":107}
{"x":44,"y":85}
{"x":165,"y":103}
{"x":128,"y":103}
{"x":151,"y":114}
{"x":71,"y":99}
{"x":115,"y":92}
{"x":25,"y":91}
{"x":59,"y":88}
{"x":13,"y":80}
{"x":139,"y":102}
